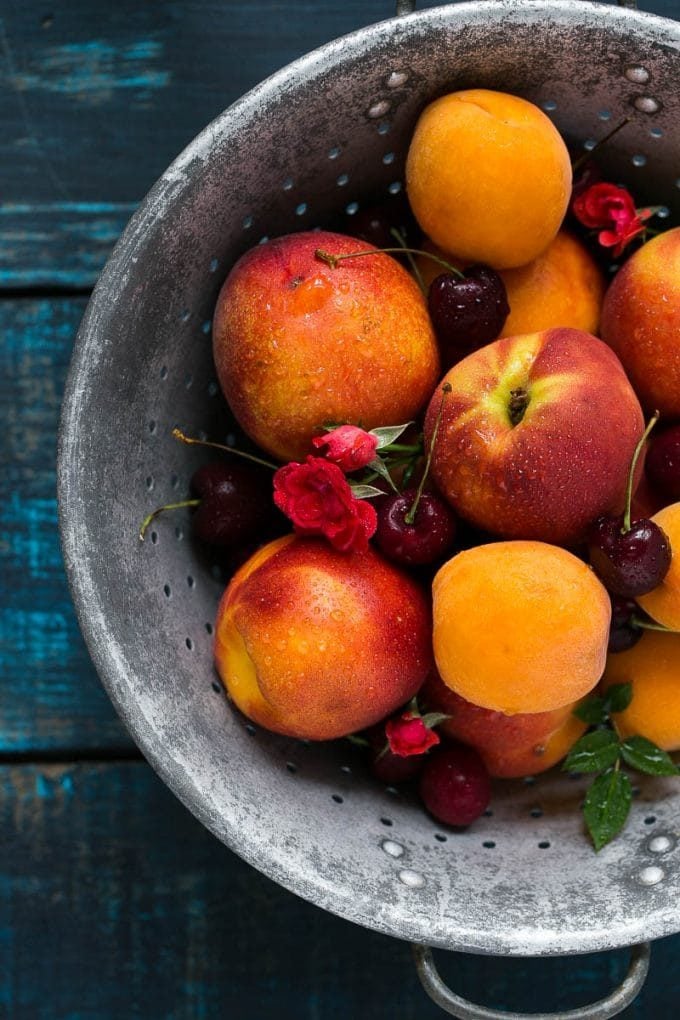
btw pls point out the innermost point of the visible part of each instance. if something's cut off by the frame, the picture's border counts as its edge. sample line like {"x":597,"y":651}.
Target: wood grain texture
{"x":97,"y":100}
{"x":51,"y":697}
{"x":115,"y":902}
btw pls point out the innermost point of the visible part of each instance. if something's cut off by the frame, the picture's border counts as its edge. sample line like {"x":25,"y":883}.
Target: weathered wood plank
{"x":64,"y":244}
{"x":115,"y":902}
{"x":51,"y":696}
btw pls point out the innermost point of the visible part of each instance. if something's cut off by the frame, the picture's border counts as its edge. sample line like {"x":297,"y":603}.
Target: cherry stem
{"x":410,"y":516}
{"x":159,"y":510}
{"x":587,"y":155}
{"x":334,"y":260}
{"x":650,"y":625}
{"x":178,"y":434}
{"x":631,"y":474}
{"x":400,"y":239}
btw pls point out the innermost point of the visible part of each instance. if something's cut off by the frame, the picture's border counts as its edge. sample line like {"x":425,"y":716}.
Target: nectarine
{"x":641,"y":322}
{"x":536,"y":436}
{"x":298,"y":343}
{"x":318,"y":644}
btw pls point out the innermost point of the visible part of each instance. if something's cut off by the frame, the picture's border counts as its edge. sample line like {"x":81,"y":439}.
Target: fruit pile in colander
{"x":464,"y":507}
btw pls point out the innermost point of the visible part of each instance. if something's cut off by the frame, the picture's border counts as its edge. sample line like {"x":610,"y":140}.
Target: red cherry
{"x":663,"y":463}
{"x":622,"y":632}
{"x":455,"y":786}
{"x":632,"y":561}
{"x":236,"y":503}
{"x":467,"y":312}
{"x":428,"y":538}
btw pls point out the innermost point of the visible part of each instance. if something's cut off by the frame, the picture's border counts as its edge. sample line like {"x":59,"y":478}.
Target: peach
{"x":652,"y":667}
{"x":318,"y":644}
{"x":488,"y":177}
{"x":523,"y":744}
{"x":663,"y":603}
{"x":519,"y":626}
{"x":536,"y":435}
{"x":564,"y":286}
{"x":298,"y":343}
{"x":641,"y":322}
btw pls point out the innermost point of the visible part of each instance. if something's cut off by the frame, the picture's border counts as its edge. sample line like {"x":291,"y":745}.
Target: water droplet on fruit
{"x":281,"y":646}
{"x":337,"y":614}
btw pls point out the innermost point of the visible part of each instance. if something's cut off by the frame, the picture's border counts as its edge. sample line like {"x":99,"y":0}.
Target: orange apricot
{"x":652,"y":667}
{"x":488,"y":177}
{"x":519,"y":626}
{"x":663,"y":603}
{"x":564,"y":286}
{"x":523,"y":744}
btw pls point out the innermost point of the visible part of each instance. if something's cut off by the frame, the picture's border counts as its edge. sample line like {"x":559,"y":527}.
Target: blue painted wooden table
{"x":114,"y":901}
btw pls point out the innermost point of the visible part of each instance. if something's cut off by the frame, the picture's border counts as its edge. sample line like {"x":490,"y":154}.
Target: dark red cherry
{"x":430,"y":536}
{"x":663,"y":463}
{"x":623,"y":634}
{"x":629,"y":562}
{"x":467,"y":312}
{"x":454,"y":785}
{"x":236,"y":503}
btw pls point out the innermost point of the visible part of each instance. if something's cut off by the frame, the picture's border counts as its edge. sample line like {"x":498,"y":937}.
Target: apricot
{"x":641,"y":322}
{"x":523,"y":744}
{"x":298,"y":343}
{"x":563,"y":286}
{"x":652,"y":666}
{"x":519,"y":626}
{"x":663,"y":603}
{"x":318,"y":644}
{"x":488,"y":177}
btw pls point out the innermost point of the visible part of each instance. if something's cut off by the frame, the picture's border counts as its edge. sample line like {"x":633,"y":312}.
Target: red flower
{"x":348,"y":446}
{"x":408,"y":734}
{"x":319,"y":501}
{"x":612,"y":209}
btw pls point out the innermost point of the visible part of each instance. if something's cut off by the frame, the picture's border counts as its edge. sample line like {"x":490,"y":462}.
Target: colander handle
{"x":409,"y":6}
{"x":463,"y":1009}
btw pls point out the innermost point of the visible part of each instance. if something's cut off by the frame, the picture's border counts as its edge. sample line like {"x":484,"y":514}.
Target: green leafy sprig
{"x":601,"y":750}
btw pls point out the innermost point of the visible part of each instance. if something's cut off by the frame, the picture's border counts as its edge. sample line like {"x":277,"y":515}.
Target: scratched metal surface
{"x":539,"y":889}
{"x":114,"y":901}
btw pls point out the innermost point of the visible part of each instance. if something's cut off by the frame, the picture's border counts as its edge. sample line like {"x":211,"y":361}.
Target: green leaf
{"x":592,"y":711}
{"x":389,"y":433}
{"x":366,"y":491}
{"x":618,"y":697}
{"x":432,"y":719}
{"x":358,"y":741}
{"x":378,"y":465}
{"x":593,"y":752}
{"x":643,"y":755}
{"x":607,"y":805}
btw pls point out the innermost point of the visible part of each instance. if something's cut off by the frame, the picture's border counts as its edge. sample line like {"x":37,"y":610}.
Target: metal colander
{"x":303,"y":148}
